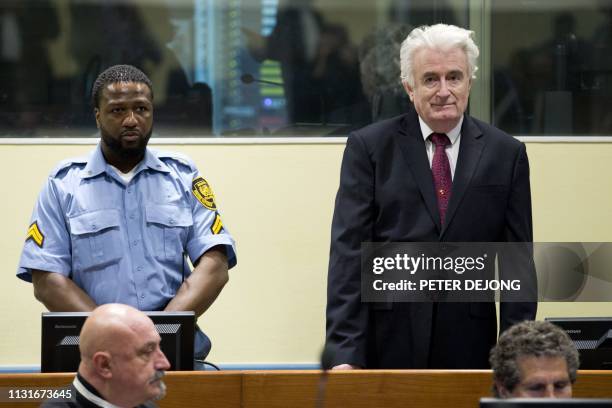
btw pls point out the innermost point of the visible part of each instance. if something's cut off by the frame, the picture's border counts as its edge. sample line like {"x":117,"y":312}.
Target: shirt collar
{"x":97,"y":163}
{"x":453,"y":135}
{"x":90,"y":393}
{"x":151,"y":161}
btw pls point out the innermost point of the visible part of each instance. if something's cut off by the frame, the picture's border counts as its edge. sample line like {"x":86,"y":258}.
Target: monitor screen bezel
{"x":590,"y":358}
{"x":544,"y":402}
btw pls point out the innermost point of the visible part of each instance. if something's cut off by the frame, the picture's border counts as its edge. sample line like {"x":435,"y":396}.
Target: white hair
{"x":441,"y":37}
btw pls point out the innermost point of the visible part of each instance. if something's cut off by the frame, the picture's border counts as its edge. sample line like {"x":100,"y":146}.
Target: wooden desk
{"x":185,"y":389}
{"x":300,"y":389}
{"x":390,"y":388}
{"x":205,"y":389}
{"x":367,"y":388}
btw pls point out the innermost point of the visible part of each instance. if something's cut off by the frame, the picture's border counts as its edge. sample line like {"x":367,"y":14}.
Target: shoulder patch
{"x":35,"y":235}
{"x":217,"y":225}
{"x":202,"y":191}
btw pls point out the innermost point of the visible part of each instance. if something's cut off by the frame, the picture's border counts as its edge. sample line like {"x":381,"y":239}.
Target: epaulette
{"x":66,"y":163}
{"x":178,"y":157}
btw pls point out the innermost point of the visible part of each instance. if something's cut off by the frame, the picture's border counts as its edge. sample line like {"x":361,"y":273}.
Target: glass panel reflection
{"x":219,"y":67}
{"x":552,"y":67}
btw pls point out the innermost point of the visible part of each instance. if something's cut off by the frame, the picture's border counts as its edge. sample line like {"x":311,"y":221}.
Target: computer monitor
{"x":545,"y":403}
{"x":592,"y":337}
{"x":60,"y":339}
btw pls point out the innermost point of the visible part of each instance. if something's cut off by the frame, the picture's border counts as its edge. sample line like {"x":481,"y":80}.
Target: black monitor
{"x":592,"y":337}
{"x":59,"y":350}
{"x":545,"y":403}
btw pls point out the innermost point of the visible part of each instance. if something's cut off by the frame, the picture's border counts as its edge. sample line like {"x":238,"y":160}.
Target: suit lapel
{"x":470,"y":150}
{"x":412,"y":145}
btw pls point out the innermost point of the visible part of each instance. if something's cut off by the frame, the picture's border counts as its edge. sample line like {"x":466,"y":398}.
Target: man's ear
{"x":102,"y":364}
{"x":97,"y":114}
{"x":501,"y":390}
{"x":409,"y":90}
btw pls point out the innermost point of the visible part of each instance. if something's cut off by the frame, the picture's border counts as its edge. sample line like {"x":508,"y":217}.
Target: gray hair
{"x":441,"y":37}
{"x":530,"y":339}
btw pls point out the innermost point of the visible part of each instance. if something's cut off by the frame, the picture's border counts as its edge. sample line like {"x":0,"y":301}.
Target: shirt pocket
{"x":96,"y":239}
{"x":168,"y":227}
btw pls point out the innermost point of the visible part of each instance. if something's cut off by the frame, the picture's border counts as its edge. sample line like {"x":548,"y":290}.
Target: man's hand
{"x":345,"y":367}
{"x":59,"y":293}
{"x":204,"y":284}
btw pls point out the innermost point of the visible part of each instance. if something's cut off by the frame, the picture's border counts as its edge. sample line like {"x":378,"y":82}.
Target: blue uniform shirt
{"x":124,"y":243}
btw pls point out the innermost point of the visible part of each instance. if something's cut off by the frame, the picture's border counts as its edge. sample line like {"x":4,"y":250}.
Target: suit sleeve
{"x":516,"y":260}
{"x":347,"y":316}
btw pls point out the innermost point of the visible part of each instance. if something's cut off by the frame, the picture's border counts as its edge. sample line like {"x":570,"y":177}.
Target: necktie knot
{"x":439,"y":139}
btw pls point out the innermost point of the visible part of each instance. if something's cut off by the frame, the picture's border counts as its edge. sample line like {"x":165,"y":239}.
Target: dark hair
{"x":118,"y":73}
{"x":526,"y":339}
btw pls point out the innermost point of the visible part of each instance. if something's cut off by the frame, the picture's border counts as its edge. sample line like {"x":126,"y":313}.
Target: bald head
{"x":107,"y":324}
{"x":120,"y":355}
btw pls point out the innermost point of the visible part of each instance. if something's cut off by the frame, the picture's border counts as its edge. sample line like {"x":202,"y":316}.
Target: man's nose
{"x":549,"y":392}
{"x":130,"y":119}
{"x":162,"y":362}
{"x":443,"y":90}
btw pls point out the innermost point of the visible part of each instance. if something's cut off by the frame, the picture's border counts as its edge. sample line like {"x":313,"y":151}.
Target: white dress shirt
{"x":452,"y":150}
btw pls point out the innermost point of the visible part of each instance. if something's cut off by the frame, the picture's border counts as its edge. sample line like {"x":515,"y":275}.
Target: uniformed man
{"x":115,"y":226}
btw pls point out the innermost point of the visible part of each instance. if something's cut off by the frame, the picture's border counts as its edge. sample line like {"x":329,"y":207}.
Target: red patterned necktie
{"x":440,"y":168}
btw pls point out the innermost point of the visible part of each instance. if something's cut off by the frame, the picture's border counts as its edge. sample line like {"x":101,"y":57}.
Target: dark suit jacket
{"x":386,"y":194}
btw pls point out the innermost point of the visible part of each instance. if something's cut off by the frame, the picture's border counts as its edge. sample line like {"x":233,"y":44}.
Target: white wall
{"x":277,"y":200}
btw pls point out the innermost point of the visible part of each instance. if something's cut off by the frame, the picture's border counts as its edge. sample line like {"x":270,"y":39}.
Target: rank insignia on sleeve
{"x":217,"y":226}
{"x":35,"y":235}
{"x":203,"y":192}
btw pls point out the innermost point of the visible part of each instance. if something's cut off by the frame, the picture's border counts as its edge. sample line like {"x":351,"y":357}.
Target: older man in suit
{"x":433,"y":174}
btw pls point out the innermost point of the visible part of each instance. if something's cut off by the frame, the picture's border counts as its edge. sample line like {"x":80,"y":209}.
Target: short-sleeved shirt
{"x":124,"y":242}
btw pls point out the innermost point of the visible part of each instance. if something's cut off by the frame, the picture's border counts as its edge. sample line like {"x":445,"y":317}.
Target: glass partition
{"x":225,"y":68}
{"x":552,"y":67}
{"x":219,"y":67}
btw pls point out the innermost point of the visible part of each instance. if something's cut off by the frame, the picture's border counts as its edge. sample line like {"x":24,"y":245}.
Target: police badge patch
{"x":202,"y":191}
